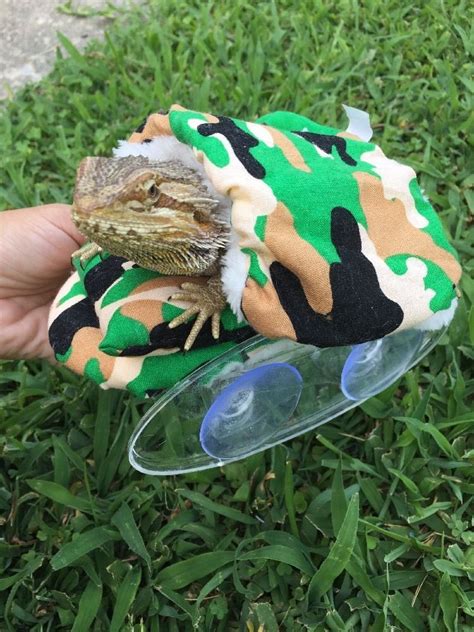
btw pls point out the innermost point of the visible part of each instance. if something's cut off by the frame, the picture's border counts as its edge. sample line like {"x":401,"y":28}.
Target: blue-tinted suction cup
{"x":371,"y":367}
{"x":264,"y":392}
{"x":250,"y":409}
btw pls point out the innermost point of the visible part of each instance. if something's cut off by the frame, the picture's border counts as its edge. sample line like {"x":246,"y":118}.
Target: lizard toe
{"x":198,"y":325}
{"x":86,"y":252}
{"x":207,"y":301}
{"x":184,"y":317}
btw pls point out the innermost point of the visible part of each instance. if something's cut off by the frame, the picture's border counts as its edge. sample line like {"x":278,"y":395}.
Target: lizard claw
{"x":86,"y":252}
{"x":208,"y":302}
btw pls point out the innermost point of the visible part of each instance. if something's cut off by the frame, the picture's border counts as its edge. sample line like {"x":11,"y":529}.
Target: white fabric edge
{"x":359,"y":123}
{"x":439,"y":319}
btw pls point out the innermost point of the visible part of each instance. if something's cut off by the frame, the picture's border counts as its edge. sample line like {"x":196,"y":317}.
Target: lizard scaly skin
{"x":161,"y":216}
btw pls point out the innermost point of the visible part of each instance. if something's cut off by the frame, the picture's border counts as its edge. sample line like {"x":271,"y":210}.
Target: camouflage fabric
{"x":335,"y":243}
{"x":109,"y":322}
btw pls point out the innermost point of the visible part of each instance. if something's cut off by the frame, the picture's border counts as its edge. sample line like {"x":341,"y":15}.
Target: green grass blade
{"x":206,"y":503}
{"x":74,"y":458}
{"x":102,"y":428}
{"x":362,"y":579}
{"x":185,"y":572}
{"x":280,"y":553}
{"x":210,"y":586}
{"x":27,"y":571}
{"x":338,"y":500}
{"x":71,"y":49}
{"x":80,"y":546}
{"x":125,"y":522}
{"x":89,"y":605}
{"x":448,"y":601}
{"x":265,"y":615}
{"x":177,"y":599}
{"x":59,"y":494}
{"x":430,"y":429}
{"x":289,"y":499}
{"x":405,"y":612}
{"x":339,"y":555}
{"x":125,"y":596}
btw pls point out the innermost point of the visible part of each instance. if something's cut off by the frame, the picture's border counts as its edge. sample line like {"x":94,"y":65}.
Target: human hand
{"x":35,"y":259}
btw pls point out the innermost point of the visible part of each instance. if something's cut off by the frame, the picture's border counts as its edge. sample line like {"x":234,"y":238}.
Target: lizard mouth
{"x":160,"y":241}
{"x":168,"y":224}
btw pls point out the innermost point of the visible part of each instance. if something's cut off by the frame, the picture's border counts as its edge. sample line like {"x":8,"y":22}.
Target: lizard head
{"x":158,"y":214}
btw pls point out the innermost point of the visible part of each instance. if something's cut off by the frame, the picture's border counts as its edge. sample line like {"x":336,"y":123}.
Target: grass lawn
{"x":366,"y":525}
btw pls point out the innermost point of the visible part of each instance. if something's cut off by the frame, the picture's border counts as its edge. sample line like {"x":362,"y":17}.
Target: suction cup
{"x":373,"y":366}
{"x":250,"y":409}
{"x":262,"y":393}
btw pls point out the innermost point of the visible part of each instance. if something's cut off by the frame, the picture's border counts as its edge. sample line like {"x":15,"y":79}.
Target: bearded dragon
{"x":161,"y":216}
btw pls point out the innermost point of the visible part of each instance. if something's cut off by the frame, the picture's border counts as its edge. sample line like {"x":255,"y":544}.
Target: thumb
{"x":60,"y":216}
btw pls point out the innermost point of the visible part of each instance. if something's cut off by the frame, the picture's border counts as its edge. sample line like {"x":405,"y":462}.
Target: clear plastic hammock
{"x":262,"y":393}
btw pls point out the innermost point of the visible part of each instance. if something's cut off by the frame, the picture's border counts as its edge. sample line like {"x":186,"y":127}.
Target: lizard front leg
{"x":208,"y":302}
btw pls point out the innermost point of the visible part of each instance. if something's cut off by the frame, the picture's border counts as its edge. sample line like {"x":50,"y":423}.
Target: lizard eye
{"x":153,"y":192}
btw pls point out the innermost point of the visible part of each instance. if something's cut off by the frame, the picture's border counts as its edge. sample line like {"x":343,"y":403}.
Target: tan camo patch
{"x":258,"y":303}
{"x":395,"y":234}
{"x":289,"y":149}
{"x":156,"y":291}
{"x":173,"y":282}
{"x":210,"y":118}
{"x":147,"y":312}
{"x":156,"y":125}
{"x":300,"y":257}
{"x":128,"y":368}
{"x":349,"y":136}
{"x":176,"y":107}
{"x":85,"y":345}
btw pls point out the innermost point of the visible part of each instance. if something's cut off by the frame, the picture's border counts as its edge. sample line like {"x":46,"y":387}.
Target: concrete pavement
{"x":28,"y":36}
